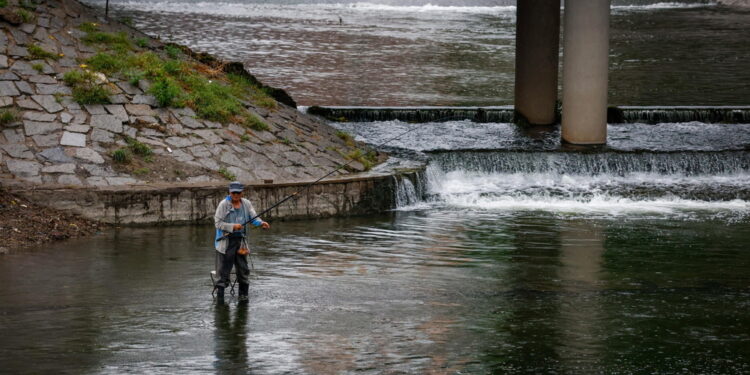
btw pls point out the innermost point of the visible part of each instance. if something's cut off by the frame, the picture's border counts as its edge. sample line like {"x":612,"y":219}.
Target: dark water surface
{"x":427,"y":291}
{"x":450,"y":52}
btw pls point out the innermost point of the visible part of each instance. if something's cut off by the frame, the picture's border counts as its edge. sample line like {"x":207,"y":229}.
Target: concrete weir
{"x":195,"y":203}
{"x":615,"y":115}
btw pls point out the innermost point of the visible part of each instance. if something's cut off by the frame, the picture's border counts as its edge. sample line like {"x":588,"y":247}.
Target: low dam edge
{"x":505,"y":114}
{"x":174,"y":204}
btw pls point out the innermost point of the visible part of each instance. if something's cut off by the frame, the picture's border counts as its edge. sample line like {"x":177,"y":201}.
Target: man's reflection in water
{"x":231,"y":348}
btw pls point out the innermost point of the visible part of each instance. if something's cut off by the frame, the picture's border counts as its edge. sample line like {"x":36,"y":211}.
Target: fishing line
{"x":448,"y":118}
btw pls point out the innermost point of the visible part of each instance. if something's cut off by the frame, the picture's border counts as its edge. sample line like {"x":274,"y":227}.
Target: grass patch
{"x":122,"y":156}
{"x":207,"y":90}
{"x":213,"y":101}
{"x":141,"y":171}
{"x":242,"y":86}
{"x":141,"y":42}
{"x":167,"y":93}
{"x":40,"y":53}
{"x":8,"y":116}
{"x":85,"y":88}
{"x":88,"y":27}
{"x":3,"y":3}
{"x":286,"y":141}
{"x":25,"y":15}
{"x":138,"y":148}
{"x":253,"y":122}
{"x":227,"y":174}
{"x":126,"y":21}
{"x":173,"y":52}
{"x":366,"y":159}
{"x":244,"y":138}
{"x":346,"y":137}
{"x":39,"y":67}
{"x":133,"y":76}
{"x":117,"y":41}
{"x":106,"y":62}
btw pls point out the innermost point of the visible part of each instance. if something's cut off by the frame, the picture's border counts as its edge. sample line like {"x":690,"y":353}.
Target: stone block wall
{"x":197,"y":203}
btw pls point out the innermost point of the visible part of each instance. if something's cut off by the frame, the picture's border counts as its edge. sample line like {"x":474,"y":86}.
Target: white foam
{"x":582,"y":194}
{"x":661,"y":5}
{"x":598,"y":204}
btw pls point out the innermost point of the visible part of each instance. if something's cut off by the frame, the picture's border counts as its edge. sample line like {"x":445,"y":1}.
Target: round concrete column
{"x":537,"y":51}
{"x":585,"y":69}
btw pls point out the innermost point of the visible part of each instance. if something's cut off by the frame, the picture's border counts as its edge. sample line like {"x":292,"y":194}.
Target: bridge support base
{"x":585,"y":69}
{"x":537,"y":51}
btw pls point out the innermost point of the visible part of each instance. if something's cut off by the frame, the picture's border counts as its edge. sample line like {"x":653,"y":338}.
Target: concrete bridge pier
{"x":537,"y":51}
{"x":585,"y":69}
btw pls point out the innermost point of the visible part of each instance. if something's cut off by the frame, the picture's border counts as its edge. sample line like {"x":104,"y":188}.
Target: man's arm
{"x":219,"y":216}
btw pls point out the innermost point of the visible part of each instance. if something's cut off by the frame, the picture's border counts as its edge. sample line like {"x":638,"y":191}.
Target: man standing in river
{"x":232,"y":214}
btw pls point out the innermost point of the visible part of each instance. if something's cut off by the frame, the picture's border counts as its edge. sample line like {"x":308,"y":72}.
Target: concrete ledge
{"x":175,"y":204}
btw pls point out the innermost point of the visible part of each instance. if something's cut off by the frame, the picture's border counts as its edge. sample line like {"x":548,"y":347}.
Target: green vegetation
{"x":346,"y":137}
{"x":126,"y":21}
{"x":253,"y":122}
{"x":88,"y":27}
{"x":141,"y":171}
{"x":133,"y":76}
{"x":25,"y":15}
{"x":8,"y":116}
{"x":117,"y":41}
{"x":39,"y":67}
{"x":366,"y":159}
{"x":3,"y":3}
{"x":40,"y":53}
{"x":122,"y":156}
{"x":175,"y":83}
{"x":138,"y":148}
{"x":244,"y":138}
{"x":173,"y":52}
{"x":285,"y":141}
{"x":86,"y":90}
{"x":241,"y":85}
{"x":227,"y":174}
{"x":167,"y":93}
{"x":105,"y":63}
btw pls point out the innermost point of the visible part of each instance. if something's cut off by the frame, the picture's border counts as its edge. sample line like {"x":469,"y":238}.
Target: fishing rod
{"x":308,"y":186}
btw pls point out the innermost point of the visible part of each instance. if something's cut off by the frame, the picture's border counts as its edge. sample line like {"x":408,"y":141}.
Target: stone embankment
{"x":58,"y":145}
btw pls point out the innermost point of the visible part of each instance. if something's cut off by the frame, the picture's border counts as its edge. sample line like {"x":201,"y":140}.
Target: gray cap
{"x":236,"y":187}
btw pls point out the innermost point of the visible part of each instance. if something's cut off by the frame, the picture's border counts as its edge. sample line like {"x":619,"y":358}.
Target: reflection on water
{"x":436,"y":290}
{"x":400,"y":53}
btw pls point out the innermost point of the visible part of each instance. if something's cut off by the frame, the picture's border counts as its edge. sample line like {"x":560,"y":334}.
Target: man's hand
{"x":265,"y":225}
{"x":237,"y":227}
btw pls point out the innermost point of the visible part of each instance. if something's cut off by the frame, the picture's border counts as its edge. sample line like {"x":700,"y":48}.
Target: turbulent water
{"x":426,"y":52}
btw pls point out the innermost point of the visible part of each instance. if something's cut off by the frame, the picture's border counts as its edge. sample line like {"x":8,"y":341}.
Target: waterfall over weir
{"x":615,"y":115}
{"x":679,"y":171}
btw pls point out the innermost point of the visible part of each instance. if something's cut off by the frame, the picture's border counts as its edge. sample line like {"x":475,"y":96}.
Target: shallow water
{"x":420,"y":52}
{"x":435,"y":290}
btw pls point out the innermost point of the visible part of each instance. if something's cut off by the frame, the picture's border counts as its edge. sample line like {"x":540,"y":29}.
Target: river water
{"x":451,"y":52}
{"x":629,"y":259}
{"x":513,"y":253}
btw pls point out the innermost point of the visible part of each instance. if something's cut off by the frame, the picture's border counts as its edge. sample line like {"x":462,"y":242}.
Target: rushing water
{"x":628,"y":259}
{"x":513,"y":253}
{"x":451,"y":52}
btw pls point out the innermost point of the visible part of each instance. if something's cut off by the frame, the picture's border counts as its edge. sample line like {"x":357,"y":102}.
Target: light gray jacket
{"x":223,"y":227}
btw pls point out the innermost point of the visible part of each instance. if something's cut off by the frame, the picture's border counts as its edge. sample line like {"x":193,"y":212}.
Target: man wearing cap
{"x":232,"y":214}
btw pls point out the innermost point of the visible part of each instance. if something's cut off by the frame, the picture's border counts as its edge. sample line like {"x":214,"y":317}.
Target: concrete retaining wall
{"x":176,"y":204}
